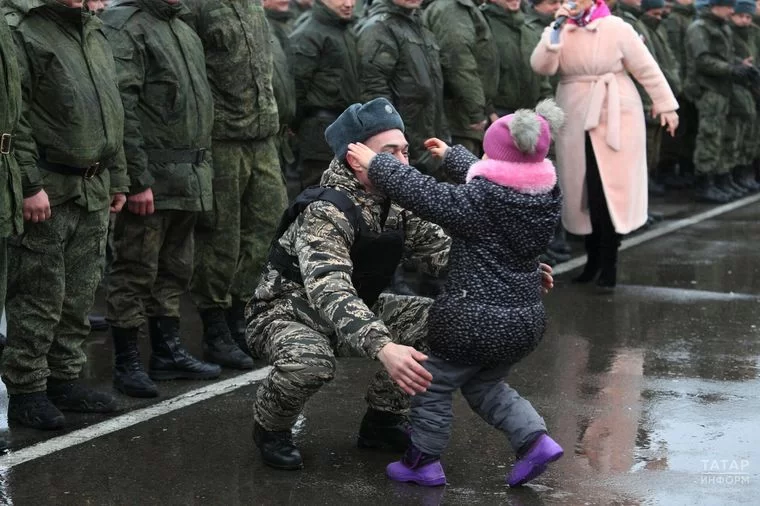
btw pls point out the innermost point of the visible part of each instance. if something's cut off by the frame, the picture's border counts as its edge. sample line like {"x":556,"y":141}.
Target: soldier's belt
{"x":194,"y":156}
{"x":67,"y":170}
{"x":6,"y":144}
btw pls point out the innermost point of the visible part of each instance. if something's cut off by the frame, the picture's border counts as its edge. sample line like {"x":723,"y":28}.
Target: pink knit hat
{"x":517,"y":145}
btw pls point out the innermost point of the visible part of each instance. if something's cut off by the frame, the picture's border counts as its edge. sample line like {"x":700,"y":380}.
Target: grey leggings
{"x":488,"y":395}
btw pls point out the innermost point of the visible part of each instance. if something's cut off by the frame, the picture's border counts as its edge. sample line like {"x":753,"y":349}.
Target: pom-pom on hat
{"x":360,"y":122}
{"x":516,"y":146}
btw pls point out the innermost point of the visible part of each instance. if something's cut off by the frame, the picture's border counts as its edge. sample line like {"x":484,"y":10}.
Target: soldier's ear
{"x":353,"y":163}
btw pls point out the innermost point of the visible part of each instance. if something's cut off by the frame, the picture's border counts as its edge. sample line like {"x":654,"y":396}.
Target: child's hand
{"x":362,"y":153}
{"x":437,"y":148}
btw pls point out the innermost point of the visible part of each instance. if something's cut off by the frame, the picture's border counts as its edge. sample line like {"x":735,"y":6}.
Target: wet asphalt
{"x":654,"y":392}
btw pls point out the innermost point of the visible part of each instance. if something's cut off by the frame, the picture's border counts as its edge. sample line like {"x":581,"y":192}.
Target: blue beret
{"x":360,"y":122}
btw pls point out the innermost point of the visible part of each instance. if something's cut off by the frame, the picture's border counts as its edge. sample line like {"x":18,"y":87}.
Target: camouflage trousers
{"x":303,"y":360}
{"x":3,"y":271}
{"x":741,"y":141}
{"x":151,"y":267}
{"x":711,"y":149}
{"x":53,"y":271}
{"x":233,"y":240}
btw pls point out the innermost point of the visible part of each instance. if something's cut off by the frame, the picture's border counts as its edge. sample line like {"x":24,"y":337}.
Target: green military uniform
{"x":470,"y":65}
{"x":519,"y":87}
{"x":11,"y":221}
{"x":169,"y":113}
{"x":300,"y":327}
{"x":537,"y":23}
{"x":325,"y":67}
{"x":400,"y":61}
{"x":249,"y":190}
{"x":297,"y":9}
{"x":71,"y":148}
{"x":741,"y":131}
{"x":709,"y":84}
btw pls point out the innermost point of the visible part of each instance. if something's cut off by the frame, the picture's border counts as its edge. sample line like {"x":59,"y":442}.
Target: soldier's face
{"x":97,"y":5}
{"x":343,"y":8}
{"x":657,"y":13}
{"x":547,"y":7}
{"x":408,"y":4}
{"x":722,"y":11}
{"x":742,"y":19}
{"x":392,"y":142}
{"x":508,"y":5}
{"x":277,"y":5}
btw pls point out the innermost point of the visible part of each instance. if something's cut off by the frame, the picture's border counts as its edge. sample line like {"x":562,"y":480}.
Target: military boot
{"x":236,"y":322}
{"x":724,"y":184}
{"x":384,"y":430}
{"x":706,"y":191}
{"x":129,"y":377}
{"x":36,"y":411}
{"x":218,"y":345}
{"x":277,"y":448}
{"x":170,"y":360}
{"x":742,"y":191}
{"x":72,"y":395}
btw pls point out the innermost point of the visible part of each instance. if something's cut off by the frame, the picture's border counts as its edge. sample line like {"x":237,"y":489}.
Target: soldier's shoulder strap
{"x":118,"y":15}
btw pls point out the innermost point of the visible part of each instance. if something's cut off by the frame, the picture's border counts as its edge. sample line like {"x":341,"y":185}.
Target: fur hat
{"x":516,"y":146}
{"x":721,"y":3}
{"x":745,"y":7}
{"x":360,"y":122}
{"x":648,"y":5}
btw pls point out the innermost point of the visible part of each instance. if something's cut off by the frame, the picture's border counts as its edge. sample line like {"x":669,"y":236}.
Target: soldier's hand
{"x":403,"y":366}
{"x":361,"y":153}
{"x":479,"y":127}
{"x":437,"y":148}
{"x":547,"y":280}
{"x":37,"y":207}
{"x":141,"y":203}
{"x":117,"y":202}
{"x":748,"y":61}
{"x":669,"y":120}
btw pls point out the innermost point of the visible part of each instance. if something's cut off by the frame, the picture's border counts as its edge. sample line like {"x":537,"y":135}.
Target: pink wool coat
{"x":598,"y":96}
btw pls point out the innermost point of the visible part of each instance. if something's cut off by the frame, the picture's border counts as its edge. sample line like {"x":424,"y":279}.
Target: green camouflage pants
{"x":152,"y":266}
{"x":54,"y":269}
{"x":709,"y":154}
{"x":741,"y":140}
{"x":3,"y":271}
{"x":303,"y":360}
{"x":233,"y":240}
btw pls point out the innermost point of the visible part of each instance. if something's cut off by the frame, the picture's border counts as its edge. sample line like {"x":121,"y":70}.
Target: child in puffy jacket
{"x":501,"y":214}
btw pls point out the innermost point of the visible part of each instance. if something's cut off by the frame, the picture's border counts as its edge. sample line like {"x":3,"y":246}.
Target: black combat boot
{"x":72,"y":395}
{"x":384,"y":430}
{"x":739,"y":189}
{"x":237,"y":324}
{"x":706,"y":191}
{"x":277,"y":448}
{"x":170,"y":360}
{"x":35,"y":411}
{"x":723,"y":183}
{"x":218,"y":345}
{"x":97,"y":322}
{"x":129,"y":377}
{"x":745,"y":176}
{"x":592,"y":267}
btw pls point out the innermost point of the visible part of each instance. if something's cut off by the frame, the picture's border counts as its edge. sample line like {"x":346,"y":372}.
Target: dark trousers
{"x":603,"y":243}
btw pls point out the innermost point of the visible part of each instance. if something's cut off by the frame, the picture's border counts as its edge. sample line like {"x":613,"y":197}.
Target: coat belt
{"x":604,"y":87}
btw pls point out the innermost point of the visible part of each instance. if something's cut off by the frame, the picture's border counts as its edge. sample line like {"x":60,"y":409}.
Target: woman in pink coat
{"x":601,"y":152}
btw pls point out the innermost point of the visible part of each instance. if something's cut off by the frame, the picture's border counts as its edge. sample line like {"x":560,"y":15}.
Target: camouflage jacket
{"x":11,"y":195}
{"x":681,"y":16}
{"x":519,"y":86}
{"x":745,"y":46}
{"x":321,"y":238}
{"x":71,"y":101}
{"x":470,"y":63}
{"x":400,"y":61}
{"x":239,"y":64}
{"x":167,"y":101}
{"x":648,"y":28}
{"x":325,"y":68}
{"x":537,"y":23}
{"x":283,"y":83}
{"x":709,"y":56}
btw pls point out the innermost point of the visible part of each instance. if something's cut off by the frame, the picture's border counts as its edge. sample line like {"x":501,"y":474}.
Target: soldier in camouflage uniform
{"x":325,"y":68}
{"x":73,"y":172}
{"x":743,"y":125}
{"x":470,"y":63}
{"x":319,"y":293}
{"x":711,"y":73}
{"x":399,"y":60}
{"x":249,"y":190}
{"x":168,"y":113}
{"x":539,"y":16}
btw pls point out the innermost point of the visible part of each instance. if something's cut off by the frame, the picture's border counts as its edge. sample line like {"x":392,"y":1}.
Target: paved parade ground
{"x":654,"y":392}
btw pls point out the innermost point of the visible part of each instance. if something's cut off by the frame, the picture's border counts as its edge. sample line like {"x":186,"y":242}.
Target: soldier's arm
{"x":304,"y":64}
{"x":130,"y":70}
{"x":459,"y":65}
{"x":705,"y":62}
{"x":379,"y":55}
{"x":427,"y":245}
{"x":25,"y":147}
{"x":323,"y":244}
{"x":449,"y":205}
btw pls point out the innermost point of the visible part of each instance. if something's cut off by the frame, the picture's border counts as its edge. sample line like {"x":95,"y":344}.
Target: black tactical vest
{"x":375,"y":256}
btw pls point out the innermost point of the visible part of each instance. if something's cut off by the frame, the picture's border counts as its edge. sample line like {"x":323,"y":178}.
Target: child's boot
{"x":533,"y":463}
{"x":417,"y":467}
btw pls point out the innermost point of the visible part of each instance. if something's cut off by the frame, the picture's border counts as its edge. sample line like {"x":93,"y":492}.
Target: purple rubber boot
{"x":531,"y":465}
{"x":417,"y":467}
